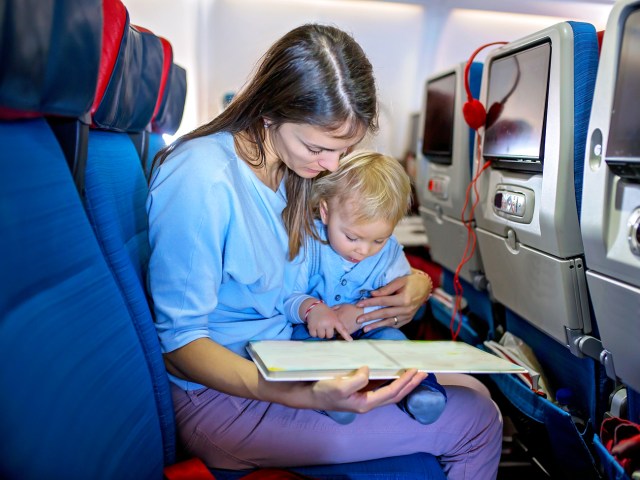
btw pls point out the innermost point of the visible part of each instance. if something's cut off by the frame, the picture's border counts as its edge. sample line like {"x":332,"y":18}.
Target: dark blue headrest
{"x":49,"y":51}
{"x":130,"y":73}
{"x":172,"y":107}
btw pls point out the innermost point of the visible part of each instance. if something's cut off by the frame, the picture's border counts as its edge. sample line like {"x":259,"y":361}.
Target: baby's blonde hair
{"x":375,"y":185}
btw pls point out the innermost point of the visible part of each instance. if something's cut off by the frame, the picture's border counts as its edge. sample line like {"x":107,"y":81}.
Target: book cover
{"x":291,"y":360}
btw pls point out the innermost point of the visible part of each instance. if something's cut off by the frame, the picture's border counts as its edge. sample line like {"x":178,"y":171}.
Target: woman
{"x":228,"y":213}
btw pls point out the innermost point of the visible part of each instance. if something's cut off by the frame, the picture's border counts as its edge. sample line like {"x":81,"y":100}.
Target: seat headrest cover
{"x":116,"y":21}
{"x":130,"y":72}
{"x":172,"y":107}
{"x":166,"y":71}
{"x":50,"y":51}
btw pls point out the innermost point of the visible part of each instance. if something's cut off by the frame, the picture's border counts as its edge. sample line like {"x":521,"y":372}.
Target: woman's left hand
{"x":401,"y":298}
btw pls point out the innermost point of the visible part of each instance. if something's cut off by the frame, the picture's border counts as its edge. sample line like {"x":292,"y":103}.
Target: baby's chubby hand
{"x":324,"y":322}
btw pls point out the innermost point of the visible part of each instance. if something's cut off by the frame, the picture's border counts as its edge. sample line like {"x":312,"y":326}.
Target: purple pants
{"x":235,"y":433}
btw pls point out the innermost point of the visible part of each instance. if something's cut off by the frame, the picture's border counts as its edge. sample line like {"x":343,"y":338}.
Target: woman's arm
{"x":402,"y":298}
{"x":205,"y":362}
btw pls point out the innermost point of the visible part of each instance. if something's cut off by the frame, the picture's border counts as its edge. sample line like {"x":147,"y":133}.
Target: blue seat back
{"x":79,"y":401}
{"x":116,"y":188}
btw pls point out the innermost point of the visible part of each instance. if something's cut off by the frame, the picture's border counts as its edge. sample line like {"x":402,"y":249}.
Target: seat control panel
{"x":633,"y":232}
{"x":513,"y":202}
{"x":438,"y":186}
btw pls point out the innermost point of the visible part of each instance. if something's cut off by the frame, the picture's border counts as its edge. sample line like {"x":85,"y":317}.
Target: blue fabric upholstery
{"x":155,"y":143}
{"x":115,"y":195}
{"x":418,"y":466}
{"x":77,"y":400}
{"x":585,"y":67}
{"x":116,"y":191}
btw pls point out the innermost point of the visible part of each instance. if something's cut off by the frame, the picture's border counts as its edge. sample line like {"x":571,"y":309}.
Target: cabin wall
{"x":220,"y":41}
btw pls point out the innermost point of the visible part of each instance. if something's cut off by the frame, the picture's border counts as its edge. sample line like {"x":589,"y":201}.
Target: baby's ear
{"x":324,"y":211}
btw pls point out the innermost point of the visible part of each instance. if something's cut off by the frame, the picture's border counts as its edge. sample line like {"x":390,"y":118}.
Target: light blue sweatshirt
{"x":218,"y":265}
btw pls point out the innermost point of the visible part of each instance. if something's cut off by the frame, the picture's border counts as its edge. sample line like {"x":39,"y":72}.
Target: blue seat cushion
{"x":115,"y":195}
{"x":77,"y":400}
{"x":418,"y":466}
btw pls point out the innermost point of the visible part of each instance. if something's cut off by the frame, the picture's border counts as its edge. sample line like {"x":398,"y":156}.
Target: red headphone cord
{"x":470,"y":246}
{"x":474,"y":114}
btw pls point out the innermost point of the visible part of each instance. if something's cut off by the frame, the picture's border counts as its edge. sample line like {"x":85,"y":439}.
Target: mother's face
{"x":309,"y":150}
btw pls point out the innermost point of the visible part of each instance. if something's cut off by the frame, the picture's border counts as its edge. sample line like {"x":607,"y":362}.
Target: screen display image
{"x":624,"y":130}
{"x":437,"y":138}
{"x":517,"y":104}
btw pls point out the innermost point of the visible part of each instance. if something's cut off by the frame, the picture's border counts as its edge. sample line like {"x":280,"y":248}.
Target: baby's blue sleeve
{"x":398,"y":263}
{"x":292,"y":304}
{"x":397,"y":266}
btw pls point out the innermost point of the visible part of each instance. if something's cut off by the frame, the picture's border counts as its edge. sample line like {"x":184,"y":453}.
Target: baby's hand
{"x":322,"y":322}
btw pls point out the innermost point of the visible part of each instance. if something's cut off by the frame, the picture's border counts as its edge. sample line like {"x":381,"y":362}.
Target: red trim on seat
{"x":13,"y":114}
{"x":115,"y":18}
{"x":166,"y":68}
{"x":600,"y":35}
{"x":192,"y":469}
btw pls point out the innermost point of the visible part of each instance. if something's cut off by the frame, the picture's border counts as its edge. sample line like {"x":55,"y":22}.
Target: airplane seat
{"x":445,"y":165}
{"x":528,"y":229}
{"x":611,"y":196}
{"x":115,"y":195}
{"x":529,"y":210}
{"x":115,"y":186}
{"x":79,"y":402}
{"x":169,"y":107}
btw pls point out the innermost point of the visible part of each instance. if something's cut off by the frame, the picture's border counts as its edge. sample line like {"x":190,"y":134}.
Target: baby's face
{"x":354,"y":241}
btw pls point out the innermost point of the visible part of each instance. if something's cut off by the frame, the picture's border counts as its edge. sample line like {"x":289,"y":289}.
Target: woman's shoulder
{"x":214,"y":151}
{"x":207,"y":157}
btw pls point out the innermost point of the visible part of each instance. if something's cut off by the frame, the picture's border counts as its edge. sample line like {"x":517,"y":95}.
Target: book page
{"x":445,"y":356}
{"x":314,"y":360}
{"x":301,"y":356}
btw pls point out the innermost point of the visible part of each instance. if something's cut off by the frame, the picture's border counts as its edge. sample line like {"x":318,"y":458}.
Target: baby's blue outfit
{"x":326,"y":275}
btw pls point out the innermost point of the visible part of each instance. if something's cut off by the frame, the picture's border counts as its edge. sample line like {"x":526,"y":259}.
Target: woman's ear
{"x":324,"y":211}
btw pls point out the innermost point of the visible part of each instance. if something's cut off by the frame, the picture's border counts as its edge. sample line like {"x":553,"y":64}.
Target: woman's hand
{"x":350,"y":393}
{"x":402,"y":299}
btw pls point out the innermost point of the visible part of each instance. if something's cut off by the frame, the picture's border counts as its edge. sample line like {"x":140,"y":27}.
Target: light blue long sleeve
{"x":218,"y":265}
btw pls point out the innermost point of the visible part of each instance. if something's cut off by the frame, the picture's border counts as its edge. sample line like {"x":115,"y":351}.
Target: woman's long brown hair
{"x":316,"y":75}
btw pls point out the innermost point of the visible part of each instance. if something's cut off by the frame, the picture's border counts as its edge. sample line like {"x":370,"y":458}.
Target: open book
{"x":317,"y":360}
